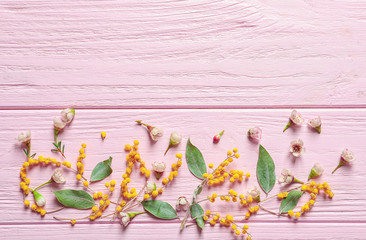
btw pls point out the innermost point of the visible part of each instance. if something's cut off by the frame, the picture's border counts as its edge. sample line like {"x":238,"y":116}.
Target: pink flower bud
{"x":217,"y":137}
{"x":316,"y":171}
{"x":154,"y":132}
{"x":159,"y":168}
{"x":255,"y":133}
{"x":346,"y":158}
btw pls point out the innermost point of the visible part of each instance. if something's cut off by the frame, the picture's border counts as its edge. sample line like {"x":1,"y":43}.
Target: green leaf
{"x":101,"y":170}
{"x":54,"y":144}
{"x":290,"y":201}
{"x":78,"y":199}
{"x":195,"y":161}
{"x":159,"y":209}
{"x":265,"y":170}
{"x":197,"y":213}
{"x":59,"y":144}
{"x":63,"y":148}
{"x":197,"y":191}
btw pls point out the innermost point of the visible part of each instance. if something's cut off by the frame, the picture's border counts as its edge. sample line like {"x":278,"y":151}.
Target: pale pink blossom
{"x":58,"y":123}
{"x":150,"y":187}
{"x":286,"y":177}
{"x":159,"y":168}
{"x":155,"y":133}
{"x":297,"y":148}
{"x":295,"y":119}
{"x":58,"y":176}
{"x":24,"y":137}
{"x":255,"y":133}
{"x":348,"y":156}
{"x":125,"y":218}
{"x":316,"y":171}
{"x":67,"y":115}
{"x":182,"y":204}
{"x":316,"y":123}
{"x":254,"y":193}
{"x":175,"y":139}
{"x":217,"y":137}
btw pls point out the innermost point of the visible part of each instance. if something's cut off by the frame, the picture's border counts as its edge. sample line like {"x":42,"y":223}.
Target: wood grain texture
{"x":182,"y":53}
{"x":197,"y":67}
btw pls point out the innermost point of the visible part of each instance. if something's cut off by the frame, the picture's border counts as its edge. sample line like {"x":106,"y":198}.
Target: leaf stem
{"x":56,"y":143}
{"x":49,"y":181}
{"x":53,"y":211}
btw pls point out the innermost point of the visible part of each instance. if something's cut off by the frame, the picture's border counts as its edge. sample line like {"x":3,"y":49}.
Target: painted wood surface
{"x":195,"y":67}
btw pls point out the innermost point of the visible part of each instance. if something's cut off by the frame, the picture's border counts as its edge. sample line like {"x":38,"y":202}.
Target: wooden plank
{"x":341,"y":128}
{"x":301,"y":231}
{"x":166,"y":54}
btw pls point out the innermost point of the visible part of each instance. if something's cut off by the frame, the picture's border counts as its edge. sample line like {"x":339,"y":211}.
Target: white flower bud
{"x":24,"y":137}
{"x":150,"y":187}
{"x":58,"y":123}
{"x":175,"y":138}
{"x":67,"y":115}
{"x":182,"y":204}
{"x":58,"y":176}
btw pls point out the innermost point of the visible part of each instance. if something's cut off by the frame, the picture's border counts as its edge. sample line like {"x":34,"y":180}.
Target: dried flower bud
{"x":182,"y":204}
{"x":154,"y":132}
{"x":255,"y":133}
{"x":40,"y":200}
{"x":346,"y":158}
{"x":316,"y":171}
{"x":217,"y":137}
{"x":58,"y":176}
{"x":159,"y":168}
{"x":295,"y":119}
{"x":287,"y":178}
{"x":125,"y":218}
{"x":175,"y":139}
{"x":297,"y":148}
{"x":150,"y":187}
{"x":58,"y":123}
{"x":316,"y":123}
{"x":67,"y":115}
{"x":24,"y":137}
{"x":254,"y":193}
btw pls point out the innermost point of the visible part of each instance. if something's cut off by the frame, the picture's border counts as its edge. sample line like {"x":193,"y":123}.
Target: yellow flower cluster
{"x":97,"y":210}
{"x":220,"y":174}
{"x":80,"y":165}
{"x":227,"y":221}
{"x":282,"y":195}
{"x":110,"y":185}
{"x":37,"y":209}
{"x":314,"y":189}
{"x":24,"y":184}
{"x":132,"y":158}
{"x":174,"y":172}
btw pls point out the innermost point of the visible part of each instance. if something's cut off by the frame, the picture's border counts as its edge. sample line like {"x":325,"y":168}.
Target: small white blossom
{"x":348,"y":156}
{"x":150,"y":187}
{"x":286,"y":177}
{"x":24,"y":137}
{"x":159,"y":166}
{"x":254,"y":193}
{"x":296,"y":118}
{"x":125,"y":218}
{"x":182,"y":204}
{"x":175,"y":138}
{"x":58,"y":176}
{"x":255,"y":133}
{"x":316,"y":123}
{"x":58,"y":123}
{"x":297,"y":148}
{"x":316,"y":171}
{"x":67,"y":115}
{"x":155,"y":133}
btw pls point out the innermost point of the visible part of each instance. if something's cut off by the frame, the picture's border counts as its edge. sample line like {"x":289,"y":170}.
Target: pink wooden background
{"x":196,"y":67}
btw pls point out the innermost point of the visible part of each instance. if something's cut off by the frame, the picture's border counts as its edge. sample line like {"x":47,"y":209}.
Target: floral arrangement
{"x":152,"y":190}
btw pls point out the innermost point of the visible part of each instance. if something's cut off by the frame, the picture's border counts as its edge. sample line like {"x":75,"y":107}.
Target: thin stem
{"x":29,"y":149}
{"x":267,"y":210}
{"x":49,"y":181}
{"x":68,"y":219}
{"x":133,"y":199}
{"x":132,"y":206}
{"x":339,"y":165}
{"x":53,"y":211}
{"x":58,"y":149}
{"x":287,"y":126}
